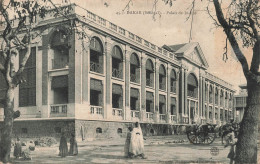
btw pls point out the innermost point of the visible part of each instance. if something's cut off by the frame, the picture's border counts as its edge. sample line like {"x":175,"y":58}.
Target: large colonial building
{"x":96,"y":78}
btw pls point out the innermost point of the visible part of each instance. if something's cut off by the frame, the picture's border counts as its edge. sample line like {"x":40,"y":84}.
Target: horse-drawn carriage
{"x":207,"y":133}
{"x":201,"y":134}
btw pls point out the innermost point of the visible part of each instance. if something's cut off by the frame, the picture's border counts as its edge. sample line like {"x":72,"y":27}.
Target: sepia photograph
{"x":129,"y":81}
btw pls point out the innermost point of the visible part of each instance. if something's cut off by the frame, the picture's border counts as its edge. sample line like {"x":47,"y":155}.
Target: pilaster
{"x":177,"y":97}
{"x":143,"y":86}
{"x":156,"y":82}
{"x":213,"y":108}
{"x":219,"y":89}
{"x":207,"y":112}
{"x":108,"y":100}
{"x":168,"y":99}
{"x":127,"y":82}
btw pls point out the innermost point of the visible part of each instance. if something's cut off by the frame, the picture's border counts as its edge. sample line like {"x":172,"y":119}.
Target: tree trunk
{"x":6,"y":137}
{"x":248,"y":133}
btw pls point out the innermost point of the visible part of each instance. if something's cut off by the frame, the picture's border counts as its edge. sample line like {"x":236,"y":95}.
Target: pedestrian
{"x":73,"y":145}
{"x":26,"y":154}
{"x":137,"y":142}
{"x":63,"y":146}
{"x":127,"y":143}
{"x":17,"y":148}
{"x":231,"y":141}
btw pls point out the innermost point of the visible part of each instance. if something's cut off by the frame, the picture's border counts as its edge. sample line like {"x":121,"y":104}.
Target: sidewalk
{"x":158,"y":149}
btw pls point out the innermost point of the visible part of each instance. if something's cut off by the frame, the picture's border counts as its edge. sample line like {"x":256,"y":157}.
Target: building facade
{"x":95,"y":79}
{"x":240,"y":102}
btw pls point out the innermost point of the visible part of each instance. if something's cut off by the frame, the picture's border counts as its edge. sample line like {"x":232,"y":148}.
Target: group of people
{"x":134,"y":145}
{"x":231,"y":140}
{"x":25,"y":152}
{"x":64,"y":147}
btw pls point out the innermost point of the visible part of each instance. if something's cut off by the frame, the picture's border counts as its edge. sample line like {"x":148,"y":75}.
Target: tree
{"x":20,"y":22}
{"x":240,"y":20}
{"x":21,"y":30}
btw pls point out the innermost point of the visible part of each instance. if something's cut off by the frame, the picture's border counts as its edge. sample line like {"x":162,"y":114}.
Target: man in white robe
{"x":137,"y":142}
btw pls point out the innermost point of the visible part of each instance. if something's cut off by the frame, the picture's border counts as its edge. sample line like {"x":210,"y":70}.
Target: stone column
{"x":181,"y":95}
{"x":143,"y":86}
{"x":168,"y":99}
{"x":213,"y":110}
{"x":207,"y":116}
{"x":45,"y":112}
{"x":219,"y":121}
{"x":156,"y":82}
{"x":224,"y":106}
{"x":200,"y":102}
{"x":85,"y":72}
{"x":127,"y":82}
{"x":203,"y":98}
{"x":177,"y":97}
{"x":108,"y":100}
{"x":186,"y":108}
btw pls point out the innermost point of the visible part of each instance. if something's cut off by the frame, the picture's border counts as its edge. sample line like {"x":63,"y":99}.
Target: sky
{"x":171,"y":28}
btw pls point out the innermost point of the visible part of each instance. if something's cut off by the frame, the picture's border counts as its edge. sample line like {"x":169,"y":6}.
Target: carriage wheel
{"x":210,"y":137}
{"x":193,"y":138}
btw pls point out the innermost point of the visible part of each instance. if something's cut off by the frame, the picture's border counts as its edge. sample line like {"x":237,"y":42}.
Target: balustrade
{"x":135,"y":114}
{"x":192,"y":94}
{"x":58,"y":110}
{"x":96,"y":110}
{"x":96,"y":67}
{"x":117,"y":73}
{"x":149,"y":82}
{"x":133,"y":78}
{"x":149,"y":116}
{"x":117,"y":112}
{"x":173,"y":118}
{"x":162,"y":86}
{"x":162,"y":117}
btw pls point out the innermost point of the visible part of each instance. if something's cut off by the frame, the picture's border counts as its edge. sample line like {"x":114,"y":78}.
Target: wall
{"x":41,"y":128}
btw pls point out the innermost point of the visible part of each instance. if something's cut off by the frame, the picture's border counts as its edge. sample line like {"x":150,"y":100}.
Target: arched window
{"x":99,"y":130}
{"x":152,"y":131}
{"x":117,"y":62}
{"x":216,"y":96}
{"x":96,"y":55}
{"x":230,"y":100}
{"x":162,"y":77}
{"x":226,"y":99}
{"x":119,"y":130}
{"x":221,"y":98}
{"x":173,"y":81}
{"x":206,"y":92}
{"x":149,"y":73}
{"x":192,"y":86}
{"x":134,"y":68}
{"x":60,"y":50}
{"x":210,"y":94}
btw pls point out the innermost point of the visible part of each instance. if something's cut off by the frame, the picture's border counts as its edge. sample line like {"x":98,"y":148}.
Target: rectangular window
{"x":96,"y":92}
{"x":149,"y":102}
{"x":116,"y":100}
{"x":133,"y":103}
{"x":148,"y":106}
{"x":95,"y":98}
{"x":27,"y":89}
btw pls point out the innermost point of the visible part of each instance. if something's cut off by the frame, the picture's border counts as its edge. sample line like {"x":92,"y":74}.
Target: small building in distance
{"x":240,"y":102}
